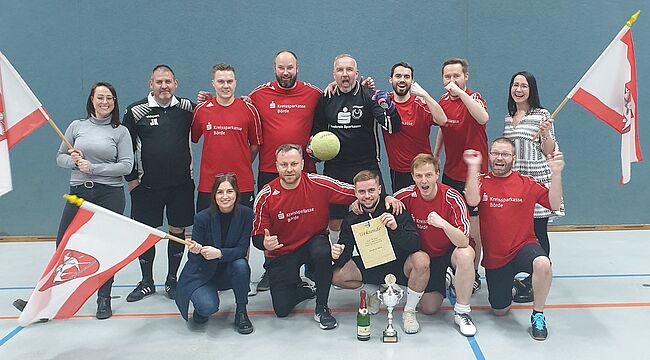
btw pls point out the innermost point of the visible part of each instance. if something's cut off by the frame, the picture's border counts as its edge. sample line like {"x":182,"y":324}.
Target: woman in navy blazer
{"x":217,"y":258}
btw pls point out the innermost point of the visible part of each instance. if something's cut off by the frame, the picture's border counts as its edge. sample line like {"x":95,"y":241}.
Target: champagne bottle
{"x":363,"y":319}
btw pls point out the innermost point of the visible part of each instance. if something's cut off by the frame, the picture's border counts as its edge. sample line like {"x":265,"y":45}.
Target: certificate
{"x":373,"y":243}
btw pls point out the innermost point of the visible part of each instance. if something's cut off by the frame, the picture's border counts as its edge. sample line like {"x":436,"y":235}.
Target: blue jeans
{"x":235,"y":275}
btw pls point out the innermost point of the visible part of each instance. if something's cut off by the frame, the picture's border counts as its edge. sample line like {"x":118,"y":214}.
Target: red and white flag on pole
{"x":609,"y":91}
{"x":96,"y":245}
{"x":20,"y":114}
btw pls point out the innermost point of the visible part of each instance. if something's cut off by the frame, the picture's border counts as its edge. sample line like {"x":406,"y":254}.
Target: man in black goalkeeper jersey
{"x":162,"y":173}
{"x":352,"y":113}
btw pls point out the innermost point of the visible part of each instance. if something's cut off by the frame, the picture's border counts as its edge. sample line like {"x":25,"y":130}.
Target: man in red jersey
{"x":465,"y":129}
{"x":418,"y":111}
{"x":231,"y":133}
{"x":442,"y":220}
{"x":286,"y":108}
{"x":506,"y":201}
{"x":290,"y":226}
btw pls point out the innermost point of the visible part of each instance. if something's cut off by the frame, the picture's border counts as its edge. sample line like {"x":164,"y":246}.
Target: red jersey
{"x":413,"y":136}
{"x":287,"y":116}
{"x":461,"y":132}
{"x":448,"y":203}
{"x":228,"y":132}
{"x":298,"y":214}
{"x":506,"y":214}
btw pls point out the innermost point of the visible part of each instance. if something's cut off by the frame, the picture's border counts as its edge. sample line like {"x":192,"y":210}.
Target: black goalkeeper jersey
{"x":352,"y":117}
{"x":161,"y":142}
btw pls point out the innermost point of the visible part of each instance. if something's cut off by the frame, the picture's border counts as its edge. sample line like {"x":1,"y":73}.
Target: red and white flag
{"x":609,"y":91}
{"x":96,"y":245}
{"x":20,"y":114}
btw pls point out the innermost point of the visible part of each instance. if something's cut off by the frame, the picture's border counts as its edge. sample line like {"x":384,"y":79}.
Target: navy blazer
{"x":207,"y":231}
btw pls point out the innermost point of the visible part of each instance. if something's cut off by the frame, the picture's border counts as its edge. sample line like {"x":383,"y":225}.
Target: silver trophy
{"x":390,"y":297}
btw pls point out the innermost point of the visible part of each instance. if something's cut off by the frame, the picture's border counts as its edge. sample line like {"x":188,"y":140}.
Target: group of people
{"x":299,"y":217}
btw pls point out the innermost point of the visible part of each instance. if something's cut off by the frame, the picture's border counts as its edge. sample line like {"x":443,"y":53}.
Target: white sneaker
{"x":410,"y":323}
{"x":252,"y":291}
{"x":373,"y":303}
{"x":465,"y":324}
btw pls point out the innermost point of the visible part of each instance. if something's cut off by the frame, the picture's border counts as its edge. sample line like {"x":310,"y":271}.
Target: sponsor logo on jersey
{"x":343,"y":117}
{"x":272,"y":105}
{"x":280,"y":215}
{"x":208,"y":126}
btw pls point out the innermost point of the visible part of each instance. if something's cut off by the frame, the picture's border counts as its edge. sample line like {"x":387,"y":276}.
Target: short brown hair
{"x":452,"y":61}
{"x":223,"y":67}
{"x":423,"y":159}
{"x":505,"y":140}
{"x":288,"y":147}
{"x":365,"y":175}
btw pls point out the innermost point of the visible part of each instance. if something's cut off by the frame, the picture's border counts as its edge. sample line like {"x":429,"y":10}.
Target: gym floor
{"x":597,"y":309}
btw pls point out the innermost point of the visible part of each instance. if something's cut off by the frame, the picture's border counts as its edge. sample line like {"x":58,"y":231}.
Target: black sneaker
{"x":523,"y":292}
{"x":305,"y":292}
{"x":325,"y":319}
{"x":170,"y":288}
{"x":243,"y":324}
{"x":538,"y":325}
{"x":20,"y":304}
{"x":199,"y":319}
{"x":477,"y":283}
{"x":143,"y":289}
{"x":104,"y":310}
{"x":265,"y":283}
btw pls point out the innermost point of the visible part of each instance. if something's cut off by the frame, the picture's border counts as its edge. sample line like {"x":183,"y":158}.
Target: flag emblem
{"x":73,"y":265}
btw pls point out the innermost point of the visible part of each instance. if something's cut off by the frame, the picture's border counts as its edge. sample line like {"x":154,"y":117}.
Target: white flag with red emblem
{"x":609,"y":91}
{"x":96,"y":245}
{"x":20,"y":114}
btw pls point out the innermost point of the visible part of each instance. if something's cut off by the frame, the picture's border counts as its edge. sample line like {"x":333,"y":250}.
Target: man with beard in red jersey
{"x":506,"y":202}
{"x":290,"y":226}
{"x":418,"y":111}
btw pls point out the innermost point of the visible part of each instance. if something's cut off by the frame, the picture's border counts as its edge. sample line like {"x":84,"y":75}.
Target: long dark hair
{"x":232,"y":179}
{"x":90,"y":108}
{"x":533,"y":94}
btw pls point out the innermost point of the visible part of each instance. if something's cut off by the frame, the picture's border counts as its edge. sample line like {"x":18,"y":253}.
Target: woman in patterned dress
{"x":525,"y":118}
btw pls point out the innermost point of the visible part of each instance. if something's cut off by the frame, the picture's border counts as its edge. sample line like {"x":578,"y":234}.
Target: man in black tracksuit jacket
{"x":411,"y":266}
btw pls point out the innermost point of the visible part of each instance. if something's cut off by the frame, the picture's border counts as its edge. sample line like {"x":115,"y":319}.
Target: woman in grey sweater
{"x":102,"y":154}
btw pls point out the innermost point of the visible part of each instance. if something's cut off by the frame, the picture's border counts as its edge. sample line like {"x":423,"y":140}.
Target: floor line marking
{"x":354,"y":310}
{"x":10,"y":335}
{"x":587,"y":276}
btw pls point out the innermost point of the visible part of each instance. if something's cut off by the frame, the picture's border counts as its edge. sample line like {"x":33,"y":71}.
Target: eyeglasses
{"x":503,"y":155}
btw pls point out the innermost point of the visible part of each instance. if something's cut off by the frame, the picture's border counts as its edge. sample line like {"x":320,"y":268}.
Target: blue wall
{"x":62,"y":47}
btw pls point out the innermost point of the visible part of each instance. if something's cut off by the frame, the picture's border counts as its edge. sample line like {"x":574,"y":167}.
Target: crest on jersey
{"x":357,"y":112}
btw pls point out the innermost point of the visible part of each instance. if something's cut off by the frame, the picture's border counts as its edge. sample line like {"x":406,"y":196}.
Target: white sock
{"x":412,"y":299}
{"x":334,"y":236}
{"x":462,"y":309}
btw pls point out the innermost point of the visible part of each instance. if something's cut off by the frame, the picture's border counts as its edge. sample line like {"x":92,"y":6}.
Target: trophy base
{"x":392,"y":338}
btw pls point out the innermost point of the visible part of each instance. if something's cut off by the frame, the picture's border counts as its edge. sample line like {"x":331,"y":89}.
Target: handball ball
{"x":324,"y":145}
